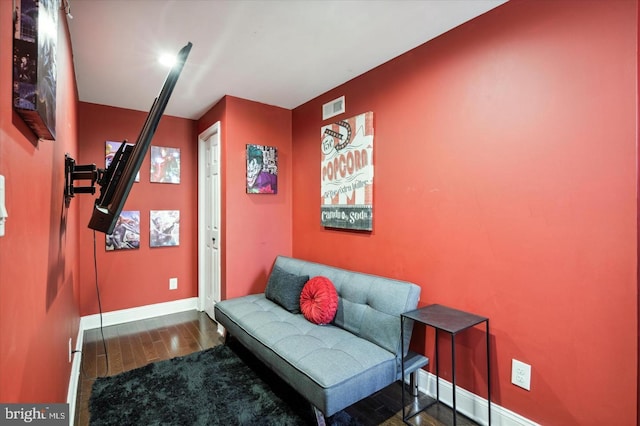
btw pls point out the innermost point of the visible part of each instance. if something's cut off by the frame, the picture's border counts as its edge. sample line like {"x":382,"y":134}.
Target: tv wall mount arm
{"x":74,"y":172}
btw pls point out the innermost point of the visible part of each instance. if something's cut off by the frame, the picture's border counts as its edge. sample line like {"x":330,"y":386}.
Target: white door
{"x":209,"y":219}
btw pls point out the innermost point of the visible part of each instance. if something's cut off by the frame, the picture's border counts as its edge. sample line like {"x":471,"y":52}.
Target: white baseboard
{"x":113,"y":318}
{"x":74,"y":378}
{"x":134,"y":314}
{"x":469,"y":404}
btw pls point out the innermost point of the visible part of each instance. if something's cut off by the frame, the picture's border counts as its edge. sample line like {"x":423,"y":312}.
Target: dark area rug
{"x":224,"y":385}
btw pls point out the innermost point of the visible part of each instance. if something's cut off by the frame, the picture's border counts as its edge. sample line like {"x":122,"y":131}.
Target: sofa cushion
{"x":319,"y":300}
{"x":369,"y":306}
{"x":284,"y":288}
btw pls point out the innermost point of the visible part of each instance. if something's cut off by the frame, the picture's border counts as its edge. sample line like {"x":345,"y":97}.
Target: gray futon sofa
{"x":333,"y":365}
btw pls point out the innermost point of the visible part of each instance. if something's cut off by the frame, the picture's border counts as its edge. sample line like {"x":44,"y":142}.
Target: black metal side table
{"x":451,"y":321}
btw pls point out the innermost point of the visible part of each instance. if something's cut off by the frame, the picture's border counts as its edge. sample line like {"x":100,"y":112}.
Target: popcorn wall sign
{"x":346,"y":181}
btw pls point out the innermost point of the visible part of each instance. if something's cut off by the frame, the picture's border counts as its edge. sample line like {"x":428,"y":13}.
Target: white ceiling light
{"x":167,"y":60}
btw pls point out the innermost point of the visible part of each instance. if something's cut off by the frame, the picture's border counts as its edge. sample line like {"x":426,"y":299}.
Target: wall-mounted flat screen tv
{"x":117,"y":180}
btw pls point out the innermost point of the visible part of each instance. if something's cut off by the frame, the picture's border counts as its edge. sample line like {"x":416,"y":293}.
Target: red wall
{"x":138,"y":277}
{"x":39,"y":252}
{"x":505,"y":184}
{"x":256,"y":227}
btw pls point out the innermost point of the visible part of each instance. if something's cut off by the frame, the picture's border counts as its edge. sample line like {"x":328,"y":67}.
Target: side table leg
{"x":437,"y":371}
{"x":453,"y":377}
{"x":488,"y":376}
{"x":402,"y":364}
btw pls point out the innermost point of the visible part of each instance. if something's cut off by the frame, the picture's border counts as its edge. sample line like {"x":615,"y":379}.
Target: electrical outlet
{"x":521,"y":374}
{"x":70,"y":349}
{"x":173,"y":283}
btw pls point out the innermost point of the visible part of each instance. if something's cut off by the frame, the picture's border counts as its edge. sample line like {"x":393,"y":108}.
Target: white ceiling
{"x":278,"y":52}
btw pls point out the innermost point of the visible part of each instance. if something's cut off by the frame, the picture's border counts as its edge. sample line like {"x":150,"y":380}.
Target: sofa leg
{"x":222,"y":332}
{"x":319,"y":416}
{"x":413,"y":383}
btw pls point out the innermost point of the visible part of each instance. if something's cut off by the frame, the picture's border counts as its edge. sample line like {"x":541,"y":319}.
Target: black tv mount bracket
{"x":74,"y":172}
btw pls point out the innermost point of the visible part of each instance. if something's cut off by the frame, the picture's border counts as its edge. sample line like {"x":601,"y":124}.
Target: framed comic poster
{"x":262,"y":169}
{"x":165,"y":164}
{"x":126,"y":234}
{"x":35,"y":38}
{"x":110,"y":149}
{"x":165,"y":228}
{"x":346,"y":173}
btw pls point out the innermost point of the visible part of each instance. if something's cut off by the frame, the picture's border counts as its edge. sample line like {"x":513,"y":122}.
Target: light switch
{"x":3,"y":209}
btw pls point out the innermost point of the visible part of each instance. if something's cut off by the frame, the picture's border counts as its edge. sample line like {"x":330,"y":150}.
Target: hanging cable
{"x":95,"y":268}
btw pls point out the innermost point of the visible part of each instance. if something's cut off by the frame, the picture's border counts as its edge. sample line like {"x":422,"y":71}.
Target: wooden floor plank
{"x":128,"y":360}
{"x":148,"y":348}
{"x":138,"y":343}
{"x":115,"y":354}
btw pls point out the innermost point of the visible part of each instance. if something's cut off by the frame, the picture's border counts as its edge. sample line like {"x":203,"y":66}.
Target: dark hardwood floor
{"x":138,"y":343}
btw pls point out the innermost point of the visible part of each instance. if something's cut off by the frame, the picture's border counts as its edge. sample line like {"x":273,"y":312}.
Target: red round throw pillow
{"x":319,"y":300}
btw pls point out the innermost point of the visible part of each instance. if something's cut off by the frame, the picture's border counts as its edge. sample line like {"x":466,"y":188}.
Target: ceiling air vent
{"x":333,"y":108}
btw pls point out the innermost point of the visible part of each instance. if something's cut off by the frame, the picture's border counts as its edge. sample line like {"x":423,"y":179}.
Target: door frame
{"x":212,"y":131}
